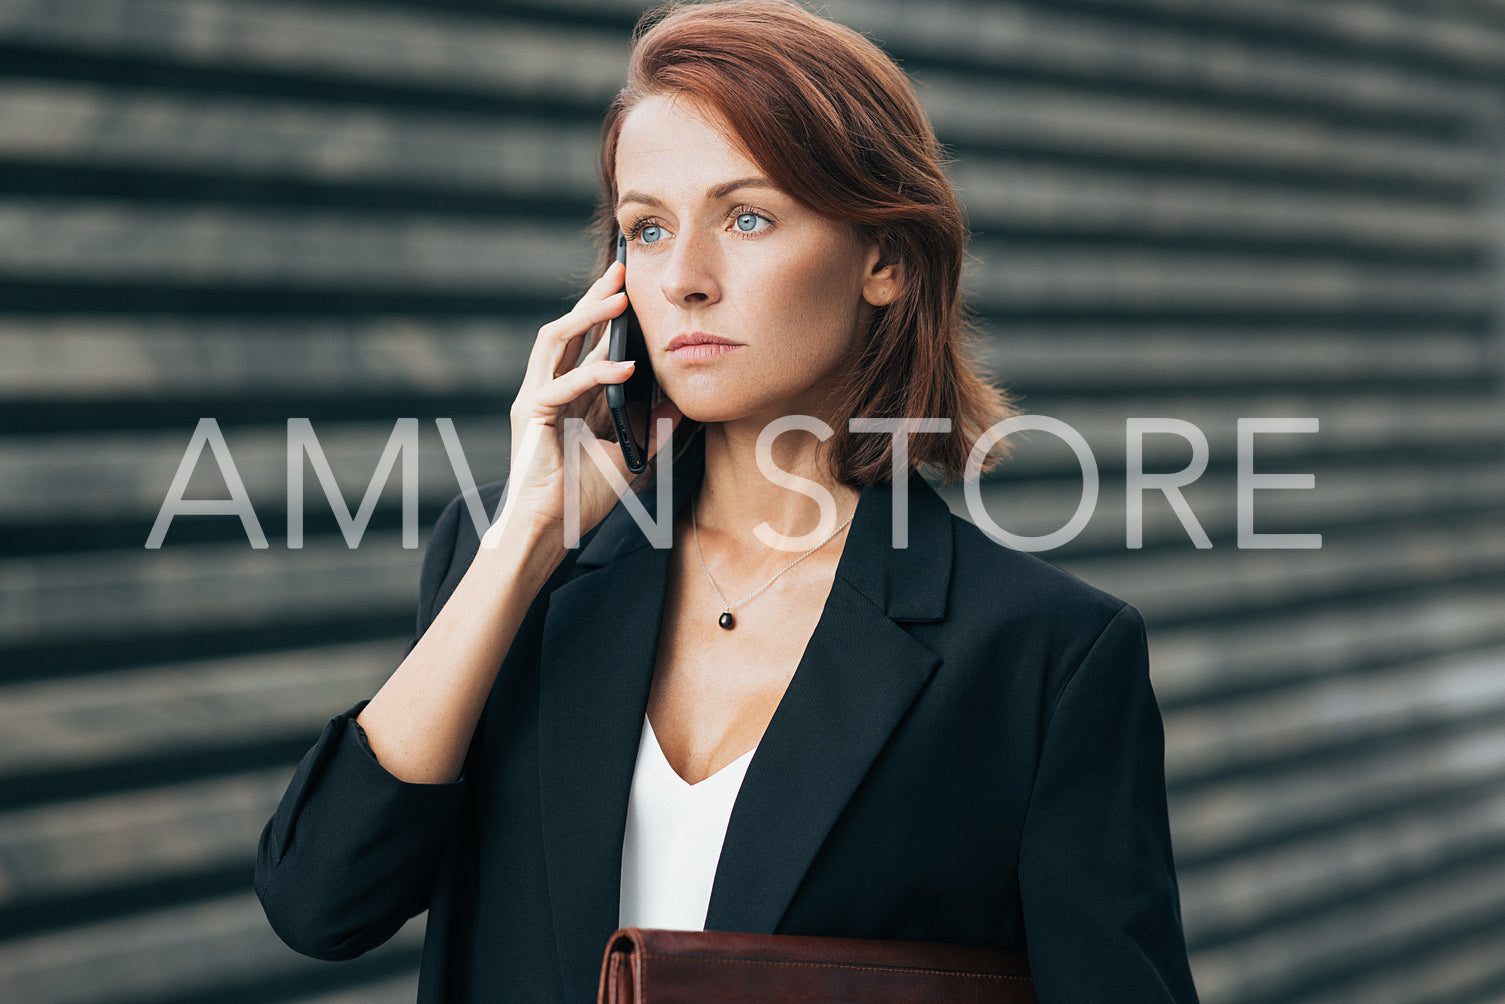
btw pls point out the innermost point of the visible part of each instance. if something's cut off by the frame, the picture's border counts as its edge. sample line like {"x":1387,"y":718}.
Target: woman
{"x":946,"y":741}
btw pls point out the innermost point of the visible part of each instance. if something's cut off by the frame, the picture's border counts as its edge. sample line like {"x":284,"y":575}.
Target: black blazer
{"x":968,"y":752}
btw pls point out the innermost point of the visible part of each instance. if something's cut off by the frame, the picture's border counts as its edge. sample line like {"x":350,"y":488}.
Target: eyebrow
{"x":720,"y":191}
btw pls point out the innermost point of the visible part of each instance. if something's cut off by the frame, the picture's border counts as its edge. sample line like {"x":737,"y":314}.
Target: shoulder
{"x":453,"y":545}
{"x":456,"y":527}
{"x":1038,"y":624}
{"x":455,"y":542}
{"x":1004,"y":582}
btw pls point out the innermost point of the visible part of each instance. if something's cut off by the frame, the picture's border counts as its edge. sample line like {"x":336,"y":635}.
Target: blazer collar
{"x":858,"y":675}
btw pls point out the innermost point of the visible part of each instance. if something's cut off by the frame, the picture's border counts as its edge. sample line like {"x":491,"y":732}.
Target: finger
{"x":575,"y":353}
{"x":555,"y":339}
{"x":608,"y":289}
{"x":604,"y":300}
{"x":598,"y":350}
{"x":598,"y":417}
{"x":563,"y":390}
{"x":587,"y":406}
{"x":609,"y":282}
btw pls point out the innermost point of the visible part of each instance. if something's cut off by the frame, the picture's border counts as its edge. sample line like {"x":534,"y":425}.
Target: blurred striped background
{"x":354,"y":212}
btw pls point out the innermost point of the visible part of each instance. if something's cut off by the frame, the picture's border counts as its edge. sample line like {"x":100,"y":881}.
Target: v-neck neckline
{"x":664,"y":760}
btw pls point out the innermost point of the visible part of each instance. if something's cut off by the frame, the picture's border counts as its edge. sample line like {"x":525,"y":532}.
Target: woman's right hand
{"x":420,"y":724}
{"x":552,"y":392}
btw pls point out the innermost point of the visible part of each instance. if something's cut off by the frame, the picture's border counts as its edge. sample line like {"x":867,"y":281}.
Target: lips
{"x":697,"y":346}
{"x":698,"y":338}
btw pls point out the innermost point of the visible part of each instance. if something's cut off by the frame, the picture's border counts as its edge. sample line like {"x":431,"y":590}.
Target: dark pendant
{"x":727,"y":620}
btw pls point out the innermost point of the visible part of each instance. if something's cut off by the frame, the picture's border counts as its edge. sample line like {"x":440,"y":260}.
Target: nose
{"x":689,"y":278}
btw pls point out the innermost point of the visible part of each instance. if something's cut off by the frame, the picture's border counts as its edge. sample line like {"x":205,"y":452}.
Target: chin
{"x":708,"y":401}
{"x":728,"y":400}
{"x":706,"y":412}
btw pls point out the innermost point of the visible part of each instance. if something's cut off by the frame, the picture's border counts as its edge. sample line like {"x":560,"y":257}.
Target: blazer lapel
{"x":600,"y":642}
{"x":858,"y":676}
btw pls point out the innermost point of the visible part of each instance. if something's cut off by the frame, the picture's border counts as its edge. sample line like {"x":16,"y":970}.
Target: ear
{"x":884,"y":277}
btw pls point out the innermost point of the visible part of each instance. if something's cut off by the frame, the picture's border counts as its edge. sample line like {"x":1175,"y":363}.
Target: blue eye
{"x":651,"y":234}
{"x":748,"y":222}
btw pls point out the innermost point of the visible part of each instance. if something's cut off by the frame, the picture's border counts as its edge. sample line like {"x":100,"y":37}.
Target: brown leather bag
{"x":698,"y":967}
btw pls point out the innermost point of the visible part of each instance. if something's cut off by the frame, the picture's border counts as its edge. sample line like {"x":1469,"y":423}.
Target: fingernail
{"x":623,"y":363}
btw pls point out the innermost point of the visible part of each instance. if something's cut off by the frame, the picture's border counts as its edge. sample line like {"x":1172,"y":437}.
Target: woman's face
{"x":716,"y":252}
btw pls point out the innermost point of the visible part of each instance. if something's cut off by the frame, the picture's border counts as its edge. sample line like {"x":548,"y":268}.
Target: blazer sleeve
{"x":350,"y":853}
{"x":1102,"y":914}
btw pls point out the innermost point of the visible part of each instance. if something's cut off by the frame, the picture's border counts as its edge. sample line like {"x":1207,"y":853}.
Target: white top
{"x":673,"y":839}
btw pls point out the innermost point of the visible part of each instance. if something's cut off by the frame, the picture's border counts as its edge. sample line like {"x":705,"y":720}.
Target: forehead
{"x":674,"y":140}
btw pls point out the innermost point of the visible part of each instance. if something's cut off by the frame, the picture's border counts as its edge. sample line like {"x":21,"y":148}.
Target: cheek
{"x":637,"y":284}
{"x":645,"y":301}
{"x":820,"y":297}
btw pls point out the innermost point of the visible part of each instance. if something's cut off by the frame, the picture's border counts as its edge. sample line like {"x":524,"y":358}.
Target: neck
{"x":737,"y":497}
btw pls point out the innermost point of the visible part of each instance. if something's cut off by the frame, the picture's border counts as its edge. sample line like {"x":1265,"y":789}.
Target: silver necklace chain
{"x":727,"y":621}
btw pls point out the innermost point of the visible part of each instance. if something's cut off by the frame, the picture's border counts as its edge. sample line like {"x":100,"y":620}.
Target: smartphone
{"x":630,"y":402}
